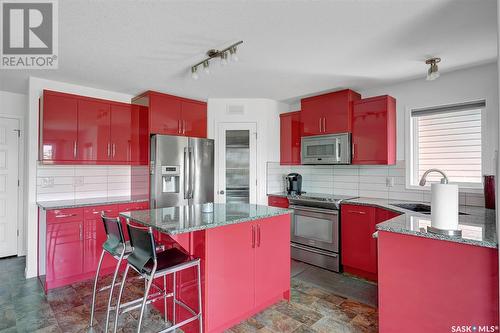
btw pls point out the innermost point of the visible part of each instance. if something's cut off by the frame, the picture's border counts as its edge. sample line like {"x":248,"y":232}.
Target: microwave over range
{"x":326,"y":149}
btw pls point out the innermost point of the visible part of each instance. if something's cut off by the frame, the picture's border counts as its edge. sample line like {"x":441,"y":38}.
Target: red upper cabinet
{"x":290,"y":134}
{"x":58,"y":127}
{"x":173,"y":115}
{"x":165,"y":114}
{"x":374,"y":131}
{"x":194,"y":119}
{"x":328,"y":113}
{"x":93,"y":130}
{"x":121,"y":133}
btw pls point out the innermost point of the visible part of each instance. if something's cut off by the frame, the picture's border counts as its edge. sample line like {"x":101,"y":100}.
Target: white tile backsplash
{"x":63,"y":182}
{"x":365,"y":181}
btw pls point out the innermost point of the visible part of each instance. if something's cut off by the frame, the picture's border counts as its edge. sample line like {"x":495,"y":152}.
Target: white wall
{"x":480,"y":82}
{"x":36,"y":86}
{"x":13,"y":104}
{"x":263,"y":112}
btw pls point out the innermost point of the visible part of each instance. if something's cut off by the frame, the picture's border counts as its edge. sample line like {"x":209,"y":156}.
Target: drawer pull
{"x":99,"y":211}
{"x":357,"y":212}
{"x":60,"y":216}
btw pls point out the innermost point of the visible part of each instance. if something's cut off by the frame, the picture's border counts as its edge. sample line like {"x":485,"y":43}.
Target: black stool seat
{"x":166,"y":259}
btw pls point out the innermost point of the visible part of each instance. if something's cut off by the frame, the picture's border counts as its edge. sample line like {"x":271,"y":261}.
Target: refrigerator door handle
{"x":191,"y":173}
{"x":187,"y":176}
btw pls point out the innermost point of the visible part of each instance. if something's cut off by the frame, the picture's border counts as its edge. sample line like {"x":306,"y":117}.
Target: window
{"x":447,"y":138}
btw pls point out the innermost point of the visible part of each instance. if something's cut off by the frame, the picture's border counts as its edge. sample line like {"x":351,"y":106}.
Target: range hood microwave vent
{"x":326,"y":149}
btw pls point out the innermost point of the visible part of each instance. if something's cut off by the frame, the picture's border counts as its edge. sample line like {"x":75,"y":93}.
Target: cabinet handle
{"x":74,"y":149}
{"x":357,"y":212}
{"x":81,"y":232}
{"x":258,"y":235}
{"x":253,"y":237}
{"x":60,"y":216}
{"x":114,"y":150}
{"x":320,"y":125}
{"x":108,"y":149}
{"x":179,"y":128}
{"x":183,"y":127}
{"x":352,"y":151}
{"x":324,"y":124}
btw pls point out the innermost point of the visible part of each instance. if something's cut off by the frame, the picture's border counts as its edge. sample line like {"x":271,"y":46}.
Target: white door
{"x":237,"y":163}
{"x":9,"y":168}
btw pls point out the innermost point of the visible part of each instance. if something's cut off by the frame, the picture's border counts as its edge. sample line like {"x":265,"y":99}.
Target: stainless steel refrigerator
{"x":182,"y":171}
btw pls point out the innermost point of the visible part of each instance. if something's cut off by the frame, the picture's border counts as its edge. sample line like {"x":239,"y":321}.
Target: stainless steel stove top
{"x":319,"y":200}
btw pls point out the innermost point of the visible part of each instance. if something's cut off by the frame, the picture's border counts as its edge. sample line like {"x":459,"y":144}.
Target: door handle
{"x":64,"y":215}
{"x":324,"y":124}
{"x":186,"y":176}
{"x":80,"y":231}
{"x":357,"y":212}
{"x":352,"y":154}
{"x":258,"y":235}
{"x":337,"y":143}
{"x":183,"y":127}
{"x":108,"y":149}
{"x":320,"y":125}
{"x":191,"y":173}
{"x":179,"y":129}
{"x":74,"y":149}
{"x":253,"y":237}
{"x":114,"y":150}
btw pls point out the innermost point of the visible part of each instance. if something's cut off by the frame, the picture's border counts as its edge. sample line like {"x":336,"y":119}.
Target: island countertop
{"x":182,"y":219}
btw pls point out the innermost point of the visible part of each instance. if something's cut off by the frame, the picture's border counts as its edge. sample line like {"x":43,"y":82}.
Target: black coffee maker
{"x":293,"y":184}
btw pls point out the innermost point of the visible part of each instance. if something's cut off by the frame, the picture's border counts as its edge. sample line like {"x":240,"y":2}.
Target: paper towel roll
{"x":444,"y":206}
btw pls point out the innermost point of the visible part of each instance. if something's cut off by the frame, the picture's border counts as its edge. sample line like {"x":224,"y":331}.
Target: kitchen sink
{"x":418,"y":207}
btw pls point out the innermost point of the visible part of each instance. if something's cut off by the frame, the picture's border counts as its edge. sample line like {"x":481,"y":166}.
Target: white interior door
{"x":237,"y":163}
{"x":9,"y":168}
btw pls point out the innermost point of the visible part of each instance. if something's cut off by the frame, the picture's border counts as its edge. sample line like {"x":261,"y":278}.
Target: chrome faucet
{"x":444,"y":180}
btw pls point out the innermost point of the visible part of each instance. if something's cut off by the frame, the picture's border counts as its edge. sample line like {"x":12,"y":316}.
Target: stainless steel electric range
{"x":315,"y":231}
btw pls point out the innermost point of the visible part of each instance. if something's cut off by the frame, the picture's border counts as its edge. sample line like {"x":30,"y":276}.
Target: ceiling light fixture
{"x":194,"y":75}
{"x":229,"y":53}
{"x":433,"y":72}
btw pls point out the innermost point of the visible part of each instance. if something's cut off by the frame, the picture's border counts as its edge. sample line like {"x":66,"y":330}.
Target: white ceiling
{"x":291,"y":48}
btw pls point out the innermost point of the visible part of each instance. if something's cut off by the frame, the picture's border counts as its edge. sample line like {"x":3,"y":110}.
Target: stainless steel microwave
{"x":326,"y":149}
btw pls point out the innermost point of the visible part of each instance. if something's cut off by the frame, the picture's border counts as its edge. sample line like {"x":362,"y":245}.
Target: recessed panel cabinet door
{"x":59,"y":128}
{"x":93,"y":131}
{"x":121,"y":133}
{"x":194,"y":119}
{"x":165,"y":115}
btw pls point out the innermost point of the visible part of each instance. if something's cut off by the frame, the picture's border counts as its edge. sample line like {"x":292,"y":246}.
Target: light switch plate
{"x":389,"y":182}
{"x":47,"y":182}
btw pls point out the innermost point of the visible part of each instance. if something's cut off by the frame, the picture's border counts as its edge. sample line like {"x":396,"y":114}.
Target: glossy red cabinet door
{"x":194,"y":119}
{"x":121,"y":132}
{"x":312,"y":115}
{"x":357,"y":223}
{"x":276,"y":201}
{"x":272,"y":247}
{"x":338,"y":115}
{"x":64,"y":249}
{"x":58,"y":127}
{"x":139,"y":145}
{"x":165,"y":114}
{"x":93,"y":130}
{"x":290,"y":134}
{"x":230,"y":273}
{"x":374,"y":131}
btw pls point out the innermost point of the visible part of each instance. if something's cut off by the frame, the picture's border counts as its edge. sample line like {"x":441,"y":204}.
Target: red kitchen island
{"x":245,"y":259}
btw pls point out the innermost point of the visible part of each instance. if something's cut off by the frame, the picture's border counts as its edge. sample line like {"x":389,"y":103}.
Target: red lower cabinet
{"x":71,"y":243}
{"x":276,"y":201}
{"x":358,"y":247}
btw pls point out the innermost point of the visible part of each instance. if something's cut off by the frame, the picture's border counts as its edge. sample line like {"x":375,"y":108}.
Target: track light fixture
{"x":433,"y":72}
{"x":225,"y":55}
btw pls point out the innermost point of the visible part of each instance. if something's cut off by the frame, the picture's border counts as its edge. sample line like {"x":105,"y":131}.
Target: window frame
{"x":411,"y":154}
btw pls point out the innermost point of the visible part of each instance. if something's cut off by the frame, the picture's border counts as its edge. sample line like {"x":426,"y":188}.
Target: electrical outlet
{"x":78,"y":181}
{"x":389,"y":182}
{"x":47,"y":182}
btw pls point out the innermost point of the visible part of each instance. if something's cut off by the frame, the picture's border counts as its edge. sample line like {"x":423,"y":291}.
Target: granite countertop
{"x":182,"y":219}
{"x":478,"y":227}
{"x":60,"y":204}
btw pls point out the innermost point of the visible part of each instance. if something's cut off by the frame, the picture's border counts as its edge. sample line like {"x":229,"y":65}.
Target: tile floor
{"x":313,"y":307}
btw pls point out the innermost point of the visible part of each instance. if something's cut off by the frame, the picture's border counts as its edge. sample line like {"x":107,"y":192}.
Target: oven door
{"x":316,"y":227}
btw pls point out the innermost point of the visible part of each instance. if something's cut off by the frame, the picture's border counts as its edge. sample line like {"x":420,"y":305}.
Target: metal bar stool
{"x":116,"y":246}
{"x":151,"y":265}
